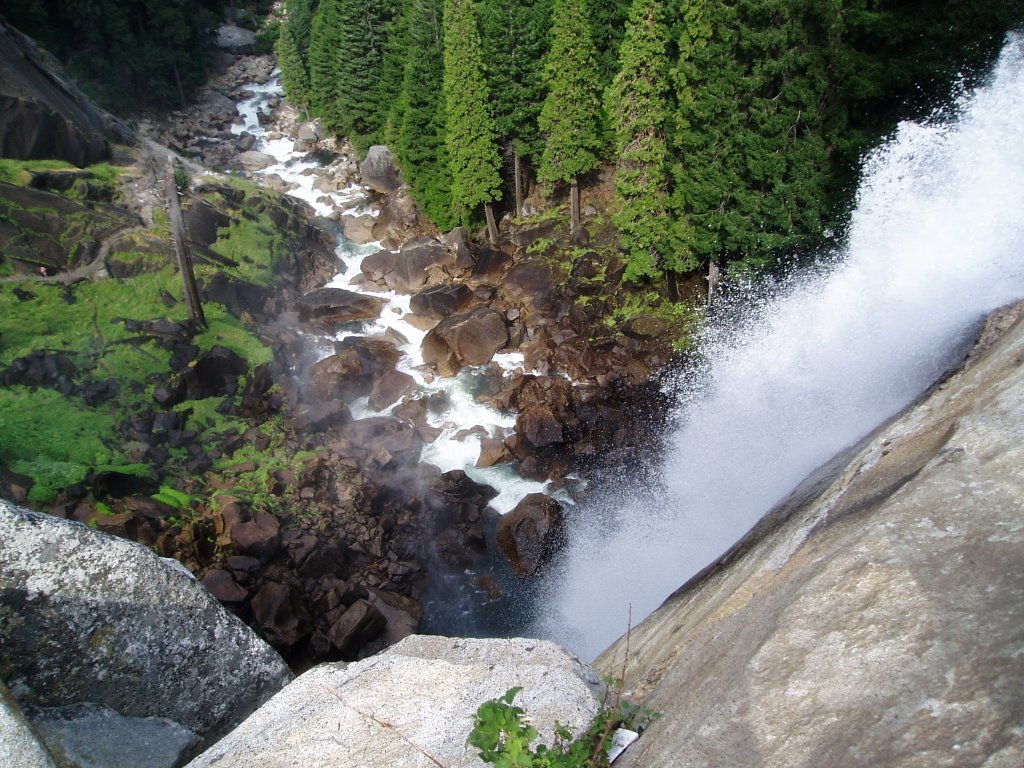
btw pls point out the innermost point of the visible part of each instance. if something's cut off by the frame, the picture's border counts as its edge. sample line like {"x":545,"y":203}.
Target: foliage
{"x":570,"y":118}
{"x":514,"y":40}
{"x":126,"y":53}
{"x":502,"y":735}
{"x":471,"y":135}
{"x":420,"y":141}
{"x":639,"y":112}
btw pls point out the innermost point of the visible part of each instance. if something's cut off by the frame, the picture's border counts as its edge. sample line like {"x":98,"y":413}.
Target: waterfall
{"x":936,"y":241}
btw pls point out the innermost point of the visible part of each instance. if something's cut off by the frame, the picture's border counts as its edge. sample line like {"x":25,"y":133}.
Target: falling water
{"x":936,"y":241}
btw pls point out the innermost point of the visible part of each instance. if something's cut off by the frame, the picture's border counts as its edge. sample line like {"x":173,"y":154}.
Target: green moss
{"x":53,"y":439}
{"x":18,"y":171}
{"x":254,"y":244}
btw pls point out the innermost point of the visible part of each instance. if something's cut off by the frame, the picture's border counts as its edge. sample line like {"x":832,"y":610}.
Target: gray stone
{"x":255,"y":161}
{"x":409,"y":706}
{"x":880,"y":623}
{"x":87,"y":617}
{"x":235,"y":39}
{"x":378,"y":170}
{"x":94,"y":736}
{"x":19,"y":744}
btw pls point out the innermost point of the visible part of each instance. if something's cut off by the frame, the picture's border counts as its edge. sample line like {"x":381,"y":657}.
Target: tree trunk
{"x":517,"y":172}
{"x":714,"y":277}
{"x":177,"y":80}
{"x":492,"y":227}
{"x":180,"y":237}
{"x":574,"y":208}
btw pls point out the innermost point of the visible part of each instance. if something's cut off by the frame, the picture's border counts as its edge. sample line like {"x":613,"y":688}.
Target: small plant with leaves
{"x":503,"y":736}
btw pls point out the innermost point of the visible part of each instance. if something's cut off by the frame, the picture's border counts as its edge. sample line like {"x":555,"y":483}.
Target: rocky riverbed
{"x":334,"y":552}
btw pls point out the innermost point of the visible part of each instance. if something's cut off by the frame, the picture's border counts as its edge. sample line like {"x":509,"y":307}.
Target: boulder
{"x":321,"y":417}
{"x":470,"y":338}
{"x":253,"y":161}
{"x":531,"y":533}
{"x":379,"y":441}
{"x":335,"y":306}
{"x":408,"y":270}
{"x":389,"y":388}
{"x":411,"y":705}
{"x":378,"y":170}
{"x":235,"y":39}
{"x":351,"y":371}
{"x":539,"y":425}
{"x":20,"y":745}
{"x":399,"y":219}
{"x":94,"y":736}
{"x":441,"y":301}
{"x":358,"y":229}
{"x":90,"y":618}
{"x":875,"y":618}
{"x":357,"y":625}
{"x":529,"y":286}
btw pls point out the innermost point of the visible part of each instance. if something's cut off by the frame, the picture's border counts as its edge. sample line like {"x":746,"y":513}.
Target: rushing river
{"x":451,"y":450}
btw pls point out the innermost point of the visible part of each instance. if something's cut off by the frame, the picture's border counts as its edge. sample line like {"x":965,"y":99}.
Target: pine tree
{"x":420,"y":145}
{"x":752,"y":173}
{"x":514,"y":35}
{"x":471,"y":135}
{"x":640,"y":111}
{"x":324,"y":44}
{"x":571,"y":116}
{"x":294,"y":76}
{"x":390,"y":106}
{"x":607,"y":25}
{"x":358,"y":67}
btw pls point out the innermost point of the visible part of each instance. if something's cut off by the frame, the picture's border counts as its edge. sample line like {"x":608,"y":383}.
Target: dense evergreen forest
{"x":128,"y":54}
{"x":734,"y":126}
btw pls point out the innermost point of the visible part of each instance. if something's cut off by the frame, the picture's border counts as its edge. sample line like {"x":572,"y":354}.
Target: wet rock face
{"x":878,"y":623}
{"x":465,"y":339}
{"x":532,"y":533}
{"x":86,"y":617}
{"x":42,"y":115}
{"x":410,"y":269}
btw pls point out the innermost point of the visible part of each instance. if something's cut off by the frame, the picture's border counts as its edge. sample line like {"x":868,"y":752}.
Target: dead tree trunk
{"x":517,"y":172}
{"x":574,"y":208}
{"x":492,"y":227}
{"x":180,"y":238}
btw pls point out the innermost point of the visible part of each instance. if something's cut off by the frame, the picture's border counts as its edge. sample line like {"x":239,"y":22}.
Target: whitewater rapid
{"x":936,"y":242}
{"x":453,"y":448}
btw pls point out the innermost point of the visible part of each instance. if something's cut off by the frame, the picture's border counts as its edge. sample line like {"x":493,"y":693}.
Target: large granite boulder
{"x":378,"y":170}
{"x":880,"y":624}
{"x":469,"y":338}
{"x":20,"y":745}
{"x":409,"y":269}
{"x":531,"y":533}
{"x":90,"y":618}
{"x":409,"y":706}
{"x":327,"y":307}
{"x":43,"y":114}
{"x":351,"y":371}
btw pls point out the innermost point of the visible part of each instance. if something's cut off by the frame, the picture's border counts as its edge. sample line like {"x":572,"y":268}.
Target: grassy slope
{"x":58,"y":440}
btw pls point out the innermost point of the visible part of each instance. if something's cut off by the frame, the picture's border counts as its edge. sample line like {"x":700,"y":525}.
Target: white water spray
{"x":937,"y":241}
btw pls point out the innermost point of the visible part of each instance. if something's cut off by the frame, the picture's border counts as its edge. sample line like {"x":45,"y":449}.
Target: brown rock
{"x":350,"y":372}
{"x":223,"y":586}
{"x":539,"y":425}
{"x":321,"y":417}
{"x":278,"y":613}
{"x":465,"y":339}
{"x":493,"y":451}
{"x":389,"y":388}
{"x":259,"y":537}
{"x":358,"y":625}
{"x":441,"y":301}
{"x":531,"y":533}
{"x":336,"y":306}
